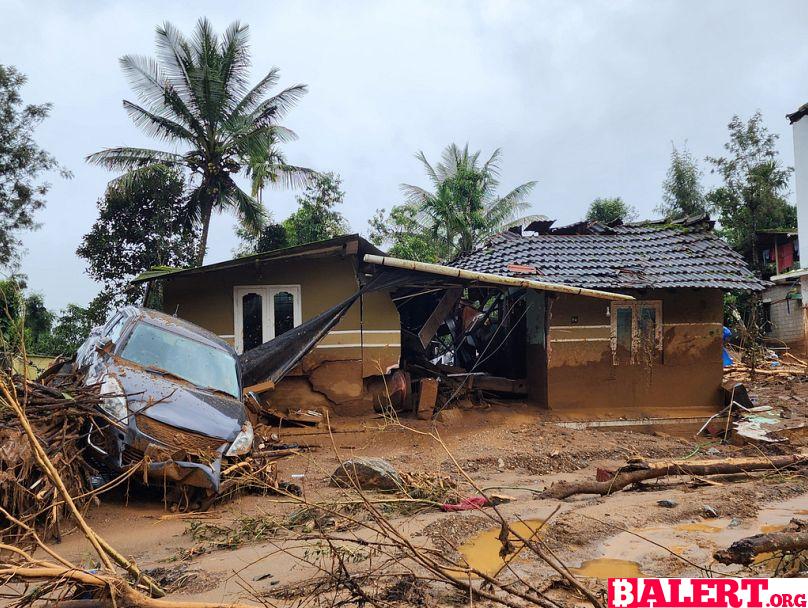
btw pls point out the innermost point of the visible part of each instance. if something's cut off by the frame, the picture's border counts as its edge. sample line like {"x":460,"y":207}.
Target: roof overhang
{"x":490,"y":279}
{"x":789,"y":276}
{"x":351,"y":244}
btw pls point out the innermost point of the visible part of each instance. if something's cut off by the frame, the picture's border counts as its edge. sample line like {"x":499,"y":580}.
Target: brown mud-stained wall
{"x":336,"y":372}
{"x":581,"y":373}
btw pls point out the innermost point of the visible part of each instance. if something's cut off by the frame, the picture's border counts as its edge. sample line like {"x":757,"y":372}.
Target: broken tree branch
{"x":122,"y":594}
{"x":105,"y":551}
{"x":745,"y":551}
{"x":623,"y":478}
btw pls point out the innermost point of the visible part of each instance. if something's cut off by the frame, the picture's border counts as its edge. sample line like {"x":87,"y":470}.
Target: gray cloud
{"x":585,"y":97}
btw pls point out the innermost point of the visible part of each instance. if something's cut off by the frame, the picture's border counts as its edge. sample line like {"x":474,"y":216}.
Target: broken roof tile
{"x":635,"y":256}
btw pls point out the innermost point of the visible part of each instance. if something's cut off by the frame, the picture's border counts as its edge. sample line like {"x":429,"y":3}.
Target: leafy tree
{"x":462,"y":210}
{"x":72,"y":327}
{"x":403,"y":235}
{"x":610,"y":209}
{"x":682,"y":193}
{"x":12,"y":314}
{"x":142,"y":223}
{"x":272,"y":236}
{"x":38,"y":324}
{"x":196,"y":97}
{"x":315,"y":218}
{"x":753,"y":195}
{"x":22,"y":163}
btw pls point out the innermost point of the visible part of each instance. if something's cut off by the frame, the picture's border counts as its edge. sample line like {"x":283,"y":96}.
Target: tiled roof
{"x":638,"y":256}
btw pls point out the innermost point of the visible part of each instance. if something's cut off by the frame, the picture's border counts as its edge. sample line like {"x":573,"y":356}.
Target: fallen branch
{"x":624,"y":478}
{"x":121,"y":594}
{"x":745,"y":551}
{"x":105,"y":551}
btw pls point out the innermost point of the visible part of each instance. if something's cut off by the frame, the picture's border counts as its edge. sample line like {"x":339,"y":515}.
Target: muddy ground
{"x":234,"y":552}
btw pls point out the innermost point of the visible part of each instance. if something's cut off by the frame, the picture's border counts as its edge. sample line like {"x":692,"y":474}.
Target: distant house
{"x":782,"y":320}
{"x":662,"y":350}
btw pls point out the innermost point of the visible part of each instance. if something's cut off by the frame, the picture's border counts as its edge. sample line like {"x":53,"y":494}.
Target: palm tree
{"x":196,"y":96}
{"x":464,"y":208}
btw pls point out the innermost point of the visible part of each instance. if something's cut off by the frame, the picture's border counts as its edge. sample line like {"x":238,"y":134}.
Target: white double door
{"x":263,"y":312}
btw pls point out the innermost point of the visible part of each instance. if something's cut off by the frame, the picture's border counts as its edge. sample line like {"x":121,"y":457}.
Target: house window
{"x":636,"y":335}
{"x":284,"y":310}
{"x":264,"y":312}
{"x":252,"y":320}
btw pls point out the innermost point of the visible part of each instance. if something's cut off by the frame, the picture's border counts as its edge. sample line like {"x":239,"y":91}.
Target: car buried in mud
{"x":171,"y":399}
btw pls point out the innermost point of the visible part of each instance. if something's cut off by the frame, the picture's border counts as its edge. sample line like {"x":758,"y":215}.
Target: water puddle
{"x":699,"y":527}
{"x":607,"y":567}
{"x":769,"y":528}
{"x":481,"y":551}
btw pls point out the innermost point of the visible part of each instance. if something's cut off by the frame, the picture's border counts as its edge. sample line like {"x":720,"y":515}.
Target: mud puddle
{"x":694,"y":541}
{"x":606,"y":567}
{"x":482,"y":551}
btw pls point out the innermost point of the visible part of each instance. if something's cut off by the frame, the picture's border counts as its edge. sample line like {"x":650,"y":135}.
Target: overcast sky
{"x":584,"y":97}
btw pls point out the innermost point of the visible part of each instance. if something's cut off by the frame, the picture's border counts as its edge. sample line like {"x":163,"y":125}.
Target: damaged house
{"x":601,"y":320}
{"x":251,"y":300}
{"x":660,"y":351}
{"x":331,"y":324}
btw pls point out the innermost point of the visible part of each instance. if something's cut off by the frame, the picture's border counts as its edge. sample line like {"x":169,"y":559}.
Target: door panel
{"x":263,"y":312}
{"x":251,"y":317}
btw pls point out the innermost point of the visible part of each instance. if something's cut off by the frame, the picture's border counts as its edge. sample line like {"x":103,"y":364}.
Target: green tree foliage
{"x":272,"y":236}
{"x":71,"y":328}
{"x":25,"y":321}
{"x":142,"y":223}
{"x":402,"y":235}
{"x":753,"y":195}
{"x":461,"y":210}
{"x":196,"y":97}
{"x":316,"y":217}
{"x":682,"y":192}
{"x":22,"y":163}
{"x":610,"y":209}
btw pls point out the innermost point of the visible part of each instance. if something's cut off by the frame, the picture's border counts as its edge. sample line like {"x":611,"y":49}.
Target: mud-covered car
{"x":173,"y":393}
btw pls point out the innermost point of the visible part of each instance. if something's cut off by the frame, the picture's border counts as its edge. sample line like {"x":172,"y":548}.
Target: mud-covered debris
{"x":793,"y":539}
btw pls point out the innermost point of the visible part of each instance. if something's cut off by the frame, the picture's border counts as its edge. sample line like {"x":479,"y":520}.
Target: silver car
{"x":171,"y":398}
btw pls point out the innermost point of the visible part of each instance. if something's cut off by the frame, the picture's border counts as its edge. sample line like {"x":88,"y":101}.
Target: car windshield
{"x":151,"y":346}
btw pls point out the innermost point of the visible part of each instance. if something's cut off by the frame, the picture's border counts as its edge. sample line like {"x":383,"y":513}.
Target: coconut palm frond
{"x":157,"y":126}
{"x":132,"y":158}
{"x":464,"y":208}
{"x":250,"y":212}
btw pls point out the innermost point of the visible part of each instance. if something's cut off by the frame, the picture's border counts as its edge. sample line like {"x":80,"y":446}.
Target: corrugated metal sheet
{"x":626,"y":257}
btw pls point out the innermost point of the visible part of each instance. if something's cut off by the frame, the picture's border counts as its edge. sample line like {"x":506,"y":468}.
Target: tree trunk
{"x":207,"y":211}
{"x":565,"y":489}
{"x":791,"y":540}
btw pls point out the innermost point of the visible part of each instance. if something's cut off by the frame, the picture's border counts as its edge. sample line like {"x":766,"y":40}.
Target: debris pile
{"x":765,"y":363}
{"x":59,"y":408}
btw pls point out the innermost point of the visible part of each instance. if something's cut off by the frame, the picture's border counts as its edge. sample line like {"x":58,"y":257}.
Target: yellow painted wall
{"x":207,"y":300}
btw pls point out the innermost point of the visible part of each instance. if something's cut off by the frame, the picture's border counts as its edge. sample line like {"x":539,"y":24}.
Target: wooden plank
{"x":261,"y":387}
{"x":498,"y":384}
{"x":438,"y":316}
{"x":427,"y":398}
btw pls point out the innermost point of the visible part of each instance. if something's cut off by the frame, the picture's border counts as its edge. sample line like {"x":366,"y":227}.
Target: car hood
{"x":179,"y":403}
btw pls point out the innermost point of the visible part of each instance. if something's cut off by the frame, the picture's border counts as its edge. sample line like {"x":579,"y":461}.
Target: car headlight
{"x":242,"y":444}
{"x":113,"y":401}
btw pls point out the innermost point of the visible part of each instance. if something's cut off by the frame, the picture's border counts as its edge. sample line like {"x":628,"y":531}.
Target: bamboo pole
{"x":487,"y":277}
